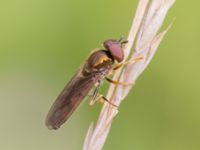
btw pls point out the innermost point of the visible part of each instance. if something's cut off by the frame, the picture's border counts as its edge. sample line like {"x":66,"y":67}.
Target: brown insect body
{"x":94,"y":70}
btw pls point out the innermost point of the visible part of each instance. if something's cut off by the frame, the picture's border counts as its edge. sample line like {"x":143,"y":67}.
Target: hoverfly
{"x":96,"y":68}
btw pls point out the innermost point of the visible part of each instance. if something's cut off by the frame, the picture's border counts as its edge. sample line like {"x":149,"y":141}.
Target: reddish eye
{"x":115,"y":49}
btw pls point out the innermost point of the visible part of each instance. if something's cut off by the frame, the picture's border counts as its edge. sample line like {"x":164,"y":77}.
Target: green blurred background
{"x":42,"y":44}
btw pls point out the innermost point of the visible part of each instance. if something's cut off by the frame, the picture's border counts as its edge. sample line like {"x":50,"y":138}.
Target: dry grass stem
{"x":146,"y":39}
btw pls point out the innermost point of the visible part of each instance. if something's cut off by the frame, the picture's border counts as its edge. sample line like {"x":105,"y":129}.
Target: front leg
{"x":119,"y":65}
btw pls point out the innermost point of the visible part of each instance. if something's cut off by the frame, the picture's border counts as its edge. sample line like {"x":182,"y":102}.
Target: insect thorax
{"x":99,"y":61}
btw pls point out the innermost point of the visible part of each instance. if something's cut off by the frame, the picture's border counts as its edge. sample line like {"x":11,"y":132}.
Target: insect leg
{"x":118,"y":83}
{"x":102,"y":99}
{"x":119,"y":65}
{"x":95,"y":93}
{"x":128,"y":62}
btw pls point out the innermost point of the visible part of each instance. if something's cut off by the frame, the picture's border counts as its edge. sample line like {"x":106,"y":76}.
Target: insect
{"x":97,"y":67}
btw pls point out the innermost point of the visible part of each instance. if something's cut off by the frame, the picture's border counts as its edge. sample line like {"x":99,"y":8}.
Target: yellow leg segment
{"x":118,"y":83}
{"x":128,"y":62}
{"x":101,"y":99}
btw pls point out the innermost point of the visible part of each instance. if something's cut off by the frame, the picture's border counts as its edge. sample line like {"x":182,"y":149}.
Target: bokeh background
{"x":42,"y":44}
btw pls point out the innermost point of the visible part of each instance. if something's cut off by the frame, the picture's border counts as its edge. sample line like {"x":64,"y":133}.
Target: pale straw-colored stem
{"x":146,"y":39}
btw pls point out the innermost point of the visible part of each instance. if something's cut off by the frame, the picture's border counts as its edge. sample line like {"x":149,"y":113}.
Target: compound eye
{"x":115,"y":49}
